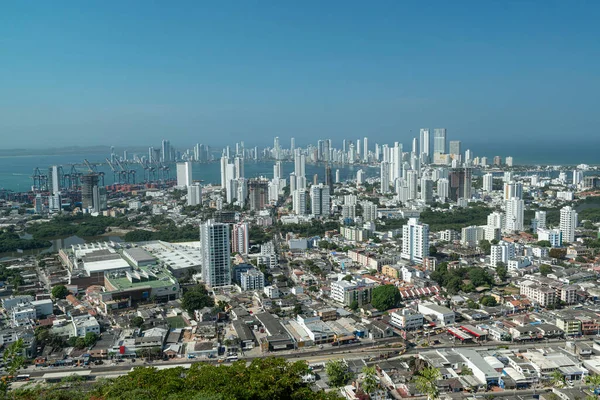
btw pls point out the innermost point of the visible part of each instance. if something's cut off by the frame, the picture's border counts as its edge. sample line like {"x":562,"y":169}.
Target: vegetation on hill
{"x":265,"y":378}
{"x":83,"y":225}
{"x":456,"y":219}
{"x":465,"y":279}
{"x":10,"y":241}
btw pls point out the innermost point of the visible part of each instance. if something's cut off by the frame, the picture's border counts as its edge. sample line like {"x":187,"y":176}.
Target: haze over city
{"x":137,"y":72}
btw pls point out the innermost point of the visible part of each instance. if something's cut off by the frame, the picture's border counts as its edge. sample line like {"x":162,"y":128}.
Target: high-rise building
{"x":468,"y":157}
{"x":299,"y":163}
{"x":488,"y":182}
{"x":319,"y":199}
{"x":276,"y":149}
{"x":194,"y":194}
{"x":258,"y":190}
{"x":427,"y":191}
{"x":497,"y":161}
{"x":577,"y":177}
{"x":299,"y":202}
{"x":224,"y":163}
{"x":240,"y":238}
{"x":385,"y":177}
{"x":412,"y":179}
{"x":329,"y":178}
{"x":514,"y":215}
{"x":55,"y":179}
{"x":415,"y":241}
{"x":539,"y":221}
{"x":568,"y":223}
{"x":360,"y":177}
{"x":424,"y":133}
{"x":90,"y":195}
{"x":439,"y":141}
{"x":460,"y":183}
{"x":455,"y":148}
{"x":165,"y":151}
{"x":184,"y":174}
{"x":366,"y":150}
{"x":337,"y":176}
{"x":215,"y":253}
{"x":513,"y":189}
{"x":509,"y":161}
{"x":369,"y":211}
{"x":238,"y":163}
{"x":503,"y":252}
{"x":292,"y":145}
{"x":443,"y":189}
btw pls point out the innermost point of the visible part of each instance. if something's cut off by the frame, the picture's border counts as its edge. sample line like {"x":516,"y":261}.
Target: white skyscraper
{"x":488,"y":183}
{"x":360,"y":177}
{"x":514,"y":215}
{"x":299,"y":163}
{"x":468,"y":157}
{"x":415,"y":241}
{"x":577,"y":177}
{"x":385,"y":177}
{"x":299,"y":202}
{"x":215,"y":252}
{"x":366,"y":150}
{"x":425,"y":145}
{"x":239,"y":238}
{"x":194,"y":194}
{"x":503,"y":252}
{"x":238,"y":163}
{"x":539,"y":221}
{"x":184,"y":174}
{"x":412,"y":180}
{"x":277,"y":170}
{"x":568,"y":223}
{"x":439,"y":141}
{"x":224,"y":162}
{"x":513,"y":189}
{"x":443,"y":189}
{"x":55,"y":180}
{"x":337,"y":176}
{"x":319,"y":200}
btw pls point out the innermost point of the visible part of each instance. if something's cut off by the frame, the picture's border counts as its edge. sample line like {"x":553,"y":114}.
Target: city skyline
{"x":195,"y":73}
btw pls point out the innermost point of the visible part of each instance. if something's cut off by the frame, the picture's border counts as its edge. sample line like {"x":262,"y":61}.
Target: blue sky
{"x":134,"y":72}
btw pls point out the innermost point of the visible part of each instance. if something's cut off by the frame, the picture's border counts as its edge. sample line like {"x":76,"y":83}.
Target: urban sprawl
{"x":432,"y":272}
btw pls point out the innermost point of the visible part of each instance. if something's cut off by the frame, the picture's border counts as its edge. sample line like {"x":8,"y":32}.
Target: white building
{"x":514,"y":215}
{"x":415,"y":241}
{"x":488,"y":183}
{"x":184,"y":174}
{"x":385,"y":177}
{"x":252,"y":279}
{"x":194,"y":194}
{"x":443,"y":189}
{"x":369,"y":211}
{"x":215,"y":250}
{"x":568,"y":223}
{"x":442,"y":315}
{"x":407,"y":319}
{"x":472,"y":235}
{"x":554,"y":236}
{"x":299,"y":202}
{"x":539,"y":221}
{"x":502,"y":252}
{"x":427,"y":191}
{"x":347,"y":292}
{"x":84,"y":324}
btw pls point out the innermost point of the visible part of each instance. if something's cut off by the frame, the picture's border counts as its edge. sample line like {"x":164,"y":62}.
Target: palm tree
{"x":426,"y":382}
{"x":557,"y":379}
{"x":369,"y":381}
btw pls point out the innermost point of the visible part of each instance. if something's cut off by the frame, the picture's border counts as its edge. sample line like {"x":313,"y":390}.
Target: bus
{"x":231,"y":358}
{"x":23,"y":377}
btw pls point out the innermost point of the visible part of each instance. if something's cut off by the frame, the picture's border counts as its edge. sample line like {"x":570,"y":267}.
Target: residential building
{"x":82,"y":325}
{"x":320,"y":198}
{"x":442,"y":315}
{"x":407,"y":319}
{"x":472,"y":235}
{"x":215,"y":250}
{"x":514,"y":215}
{"x":415,"y":241}
{"x":240,"y":238}
{"x":503,"y":252}
{"x":346,"y":292}
{"x":252,"y":279}
{"x":184,"y":174}
{"x":568,"y":223}
{"x":194,"y":194}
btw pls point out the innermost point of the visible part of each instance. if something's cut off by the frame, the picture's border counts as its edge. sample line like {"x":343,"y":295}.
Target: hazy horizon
{"x":115,"y":73}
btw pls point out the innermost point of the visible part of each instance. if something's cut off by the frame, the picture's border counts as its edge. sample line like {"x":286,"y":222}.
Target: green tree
{"x":545,"y":269}
{"x":338,"y":372}
{"x":347,"y":278}
{"x":196,"y":298}
{"x":369,"y":380}
{"x":90,"y":339}
{"x":14,"y":360}
{"x":488,"y":301}
{"x":502,"y":271}
{"x":385,"y":297}
{"x":60,"y":292}
{"x":485,"y":246}
{"x":433,"y":250}
{"x":479,"y":277}
{"x":354,"y":305}
{"x":137,"y":321}
{"x":558,"y":253}
{"x":544,"y":243}
{"x":426,"y":382}
{"x":557,"y":379}
{"x":466,"y":371}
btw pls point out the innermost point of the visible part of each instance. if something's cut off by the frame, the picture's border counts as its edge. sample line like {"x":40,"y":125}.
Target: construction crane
{"x":92,"y":170}
{"x":116,"y":175}
{"x":40,"y":181}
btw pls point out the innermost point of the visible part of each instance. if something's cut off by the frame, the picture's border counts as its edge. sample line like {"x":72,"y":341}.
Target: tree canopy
{"x":60,"y":291}
{"x":385,"y":297}
{"x":338,"y":372}
{"x":196,"y":298}
{"x":263,"y":379}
